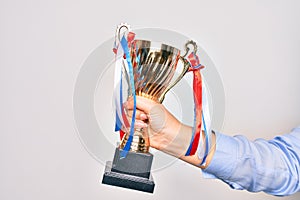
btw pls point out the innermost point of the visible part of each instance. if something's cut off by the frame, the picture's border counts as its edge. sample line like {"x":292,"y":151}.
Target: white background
{"x":254,"y":44}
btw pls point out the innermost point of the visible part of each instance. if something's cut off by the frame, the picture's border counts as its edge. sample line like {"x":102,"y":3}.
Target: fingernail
{"x":143,"y":116}
{"x":141,"y":125}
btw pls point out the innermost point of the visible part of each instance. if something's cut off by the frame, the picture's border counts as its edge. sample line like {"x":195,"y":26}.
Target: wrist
{"x":196,"y":159}
{"x":179,"y":137}
{"x":211,"y":151}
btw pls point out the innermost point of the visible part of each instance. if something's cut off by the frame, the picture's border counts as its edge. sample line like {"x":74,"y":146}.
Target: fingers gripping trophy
{"x":147,"y":69}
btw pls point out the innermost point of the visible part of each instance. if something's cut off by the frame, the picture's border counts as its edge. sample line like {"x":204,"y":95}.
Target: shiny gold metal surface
{"x":140,"y":142}
{"x":154,"y":66}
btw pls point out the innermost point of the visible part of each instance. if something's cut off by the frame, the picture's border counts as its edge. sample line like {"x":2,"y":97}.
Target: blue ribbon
{"x":206,"y":141}
{"x":124,"y":45}
{"x":118,"y":125}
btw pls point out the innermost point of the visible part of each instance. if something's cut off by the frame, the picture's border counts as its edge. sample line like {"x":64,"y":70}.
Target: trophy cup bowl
{"x":154,"y":66}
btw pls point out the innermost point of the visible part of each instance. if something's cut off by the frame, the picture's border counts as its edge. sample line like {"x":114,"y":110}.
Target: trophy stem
{"x":140,"y":141}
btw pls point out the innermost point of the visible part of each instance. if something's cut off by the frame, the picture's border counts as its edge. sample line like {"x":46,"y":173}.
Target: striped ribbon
{"x":200,"y":105}
{"x":121,"y":50}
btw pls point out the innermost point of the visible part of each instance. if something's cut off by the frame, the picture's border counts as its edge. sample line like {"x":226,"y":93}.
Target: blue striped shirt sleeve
{"x":272,"y":166}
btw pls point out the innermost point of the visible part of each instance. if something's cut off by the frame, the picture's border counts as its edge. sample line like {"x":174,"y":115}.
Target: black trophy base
{"x":126,"y":180}
{"x":132,"y":172}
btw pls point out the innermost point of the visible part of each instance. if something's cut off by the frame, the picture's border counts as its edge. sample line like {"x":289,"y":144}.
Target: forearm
{"x":179,"y":142}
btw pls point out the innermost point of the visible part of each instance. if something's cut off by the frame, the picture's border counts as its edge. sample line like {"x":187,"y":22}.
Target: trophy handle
{"x":119,"y":30}
{"x":186,"y":67}
{"x":187,"y":49}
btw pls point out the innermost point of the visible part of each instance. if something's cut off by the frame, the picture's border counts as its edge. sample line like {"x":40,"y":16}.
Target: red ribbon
{"x":197,"y":88}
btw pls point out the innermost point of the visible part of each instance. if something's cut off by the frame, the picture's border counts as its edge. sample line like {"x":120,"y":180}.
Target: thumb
{"x":143,"y":104}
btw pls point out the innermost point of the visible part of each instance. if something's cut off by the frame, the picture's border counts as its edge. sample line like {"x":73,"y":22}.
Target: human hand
{"x":165,"y":132}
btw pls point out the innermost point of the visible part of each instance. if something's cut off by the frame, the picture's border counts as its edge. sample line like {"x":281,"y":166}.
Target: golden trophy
{"x":154,"y":66}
